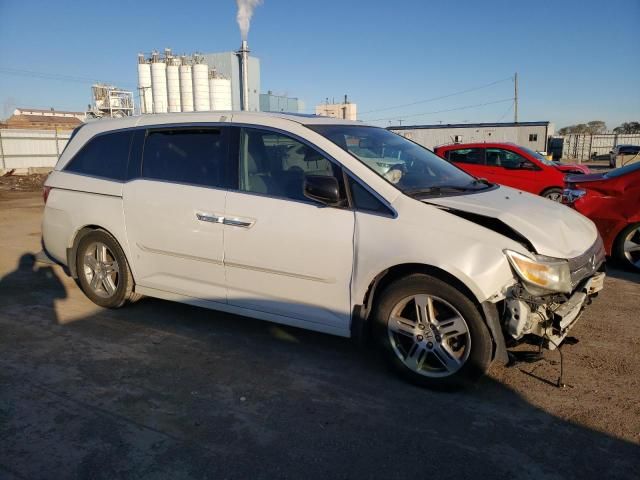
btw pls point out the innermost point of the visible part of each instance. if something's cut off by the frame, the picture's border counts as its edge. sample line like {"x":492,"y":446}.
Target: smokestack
{"x":243,"y":55}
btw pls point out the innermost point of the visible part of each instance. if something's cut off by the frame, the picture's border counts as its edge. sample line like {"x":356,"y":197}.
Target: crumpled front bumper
{"x":551,"y":317}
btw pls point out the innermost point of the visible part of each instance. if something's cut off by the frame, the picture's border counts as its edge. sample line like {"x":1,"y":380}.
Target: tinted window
{"x":496,"y":157}
{"x":467,"y":155}
{"x":274,"y":164}
{"x":194,"y":156}
{"x":365,"y":200}
{"x":103,"y":156}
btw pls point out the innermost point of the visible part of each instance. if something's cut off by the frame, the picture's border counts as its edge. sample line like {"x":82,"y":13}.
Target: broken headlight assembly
{"x":541,"y":274}
{"x":570,"y":195}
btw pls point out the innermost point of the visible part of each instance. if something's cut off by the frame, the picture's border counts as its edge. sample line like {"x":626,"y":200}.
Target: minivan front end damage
{"x":532,"y":309}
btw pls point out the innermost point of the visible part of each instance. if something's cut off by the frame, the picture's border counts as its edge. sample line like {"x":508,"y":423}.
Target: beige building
{"x":346,"y":110}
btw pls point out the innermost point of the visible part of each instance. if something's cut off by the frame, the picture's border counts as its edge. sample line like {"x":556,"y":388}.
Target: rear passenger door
{"x":173,"y":210}
{"x":471,"y":160}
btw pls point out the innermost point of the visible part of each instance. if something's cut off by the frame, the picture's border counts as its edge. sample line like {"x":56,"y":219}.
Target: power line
{"x":465,"y":107}
{"x":508,"y":110}
{"x":56,"y":76}
{"x":433,"y":99}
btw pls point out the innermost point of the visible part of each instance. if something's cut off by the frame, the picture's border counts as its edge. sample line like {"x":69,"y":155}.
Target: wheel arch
{"x":79,"y":234}
{"x":360,"y":324}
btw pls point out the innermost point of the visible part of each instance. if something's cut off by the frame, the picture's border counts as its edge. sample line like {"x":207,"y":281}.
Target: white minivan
{"x":323,"y":224}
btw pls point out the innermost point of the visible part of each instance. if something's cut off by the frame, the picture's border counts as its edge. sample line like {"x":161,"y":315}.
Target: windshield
{"x":538,"y":156}
{"x":409,"y":167}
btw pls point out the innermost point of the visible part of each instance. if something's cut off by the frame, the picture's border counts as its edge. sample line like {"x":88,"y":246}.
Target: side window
{"x":103,"y":156}
{"x":364,"y":200}
{"x":275,"y":164}
{"x":467,"y":155}
{"x":496,"y":157}
{"x":190,"y":155}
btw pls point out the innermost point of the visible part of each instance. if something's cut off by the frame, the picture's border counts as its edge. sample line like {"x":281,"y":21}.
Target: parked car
{"x":612,"y":201}
{"x":622,"y":150}
{"x":322,"y":224}
{"x":511,"y":165}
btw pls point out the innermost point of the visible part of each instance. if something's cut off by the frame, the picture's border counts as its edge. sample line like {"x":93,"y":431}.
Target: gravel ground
{"x":162,"y":390}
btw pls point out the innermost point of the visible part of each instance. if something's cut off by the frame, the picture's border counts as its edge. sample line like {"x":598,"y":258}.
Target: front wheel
{"x":626,"y":248}
{"x":432,"y":333}
{"x":553,"y":194}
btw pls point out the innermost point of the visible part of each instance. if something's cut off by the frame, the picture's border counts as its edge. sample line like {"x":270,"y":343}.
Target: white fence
{"x":22,"y":149}
{"x":584,"y":146}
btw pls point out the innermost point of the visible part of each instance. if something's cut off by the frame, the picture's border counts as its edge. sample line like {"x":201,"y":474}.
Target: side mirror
{"x":323,"y":189}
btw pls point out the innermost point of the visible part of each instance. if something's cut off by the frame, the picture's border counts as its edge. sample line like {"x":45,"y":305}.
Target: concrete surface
{"x":162,"y":390}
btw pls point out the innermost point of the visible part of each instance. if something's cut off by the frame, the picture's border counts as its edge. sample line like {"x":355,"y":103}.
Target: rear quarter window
{"x":104,"y":156}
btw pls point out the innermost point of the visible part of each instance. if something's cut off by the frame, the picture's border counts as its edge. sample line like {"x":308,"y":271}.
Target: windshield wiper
{"x":435,"y":190}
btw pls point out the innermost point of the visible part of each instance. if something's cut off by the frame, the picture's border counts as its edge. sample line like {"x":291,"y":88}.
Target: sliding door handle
{"x":206,"y":217}
{"x":231,"y":221}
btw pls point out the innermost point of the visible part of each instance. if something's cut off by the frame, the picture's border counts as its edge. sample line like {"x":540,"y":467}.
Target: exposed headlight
{"x":570,"y":195}
{"x":543,"y":272}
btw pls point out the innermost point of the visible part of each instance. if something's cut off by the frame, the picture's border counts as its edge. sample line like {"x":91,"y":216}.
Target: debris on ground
{"x":22,"y":183}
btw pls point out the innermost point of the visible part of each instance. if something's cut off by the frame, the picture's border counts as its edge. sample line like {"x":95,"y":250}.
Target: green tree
{"x":628,"y":127}
{"x":591,"y":128}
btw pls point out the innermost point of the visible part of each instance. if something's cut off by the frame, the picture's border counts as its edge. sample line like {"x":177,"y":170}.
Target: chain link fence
{"x":584,"y":147}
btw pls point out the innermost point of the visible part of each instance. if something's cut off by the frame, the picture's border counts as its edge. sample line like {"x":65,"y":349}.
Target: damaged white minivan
{"x":322,"y":224}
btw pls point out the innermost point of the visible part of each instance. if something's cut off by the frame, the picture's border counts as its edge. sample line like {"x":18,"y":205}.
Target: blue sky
{"x":576,"y":60}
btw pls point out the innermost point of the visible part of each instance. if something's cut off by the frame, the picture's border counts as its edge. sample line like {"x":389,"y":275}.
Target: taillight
{"x":45,"y":193}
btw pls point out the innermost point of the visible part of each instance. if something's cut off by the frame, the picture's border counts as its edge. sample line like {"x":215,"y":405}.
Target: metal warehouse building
{"x":534,"y":135}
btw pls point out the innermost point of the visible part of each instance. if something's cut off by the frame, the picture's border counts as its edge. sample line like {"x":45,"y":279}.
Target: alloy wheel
{"x":632,"y":247}
{"x":429,"y":335}
{"x":101,"y":270}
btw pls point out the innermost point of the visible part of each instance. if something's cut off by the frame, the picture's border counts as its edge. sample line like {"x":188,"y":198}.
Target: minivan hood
{"x":553,"y":229}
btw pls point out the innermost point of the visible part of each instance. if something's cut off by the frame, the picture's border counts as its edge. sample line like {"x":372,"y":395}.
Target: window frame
{"x":483,"y":152}
{"x":226,"y":139}
{"x":66,"y":168}
{"x":234,"y":155}
{"x":535,"y":166}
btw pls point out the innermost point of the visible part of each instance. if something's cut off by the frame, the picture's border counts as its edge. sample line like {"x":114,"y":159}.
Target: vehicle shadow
{"x":617,"y":272}
{"x":160,"y":389}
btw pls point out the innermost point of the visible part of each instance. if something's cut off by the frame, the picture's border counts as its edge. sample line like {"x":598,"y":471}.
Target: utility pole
{"x":515,"y":98}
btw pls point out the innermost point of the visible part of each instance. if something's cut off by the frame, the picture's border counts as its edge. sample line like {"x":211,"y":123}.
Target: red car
{"x":511,"y":165}
{"x":612,"y":201}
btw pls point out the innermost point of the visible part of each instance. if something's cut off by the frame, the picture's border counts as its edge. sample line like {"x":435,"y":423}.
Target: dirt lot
{"x":161,"y":390}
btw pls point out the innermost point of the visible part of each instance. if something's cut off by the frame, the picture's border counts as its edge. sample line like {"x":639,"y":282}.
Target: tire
{"x":629,"y":256}
{"x":553,"y":194}
{"x":435,"y":351}
{"x":103,"y":271}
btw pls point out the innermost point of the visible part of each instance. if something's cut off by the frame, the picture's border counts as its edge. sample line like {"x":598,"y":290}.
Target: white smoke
{"x":245,"y":12}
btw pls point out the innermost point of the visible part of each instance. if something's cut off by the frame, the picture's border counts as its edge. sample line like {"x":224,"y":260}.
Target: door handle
{"x":231,"y":221}
{"x":205,"y":217}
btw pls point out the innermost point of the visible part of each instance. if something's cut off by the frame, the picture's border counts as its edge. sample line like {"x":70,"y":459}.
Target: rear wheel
{"x":626,"y":248}
{"x":553,"y":194}
{"x":103,"y":271}
{"x":432,"y":334}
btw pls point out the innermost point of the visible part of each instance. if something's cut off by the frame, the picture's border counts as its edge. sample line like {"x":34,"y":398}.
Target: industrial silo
{"x":144,"y":85}
{"x":159,"y":83}
{"x":173,"y":84}
{"x":186,"y":86}
{"x":220,"y":92}
{"x":200,"y":85}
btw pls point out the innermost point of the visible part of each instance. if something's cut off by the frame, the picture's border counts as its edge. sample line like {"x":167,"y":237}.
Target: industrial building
{"x":346,"y":110}
{"x":280,"y":103}
{"x":534,"y":135}
{"x":199,"y":82}
{"x":37,"y":119}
